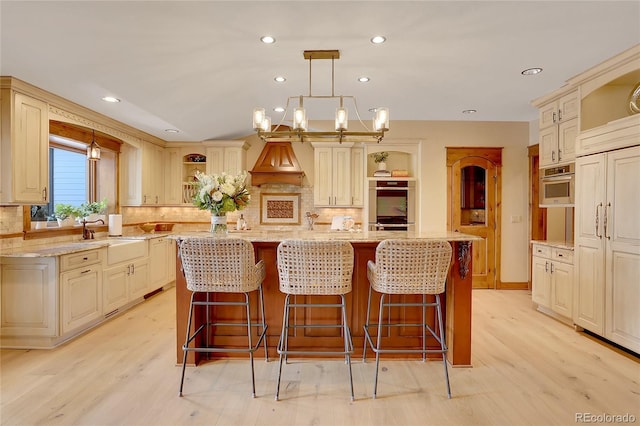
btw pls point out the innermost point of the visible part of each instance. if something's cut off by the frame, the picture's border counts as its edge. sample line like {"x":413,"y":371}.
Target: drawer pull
{"x":560,"y":255}
{"x":85,"y":258}
{"x":84,"y":272}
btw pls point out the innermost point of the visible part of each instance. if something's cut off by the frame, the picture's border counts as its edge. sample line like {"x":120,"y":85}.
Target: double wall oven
{"x":392,"y":205}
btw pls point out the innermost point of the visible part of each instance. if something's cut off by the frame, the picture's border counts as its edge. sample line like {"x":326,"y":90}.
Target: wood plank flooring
{"x":528,"y":370}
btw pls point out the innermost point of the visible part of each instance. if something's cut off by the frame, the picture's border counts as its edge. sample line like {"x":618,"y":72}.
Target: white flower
{"x":228,"y":188}
{"x":217,"y":196}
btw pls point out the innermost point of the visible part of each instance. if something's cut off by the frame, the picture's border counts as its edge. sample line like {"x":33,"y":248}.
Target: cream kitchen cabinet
{"x":607,"y":257}
{"x":552,"y":279}
{"x":24,"y":148}
{"x":159,"y":267}
{"x":338,"y":175}
{"x":173,"y":176}
{"x":226,"y":156}
{"x":29,"y":297}
{"x":152,"y":174}
{"x":126,"y":274}
{"x":559,"y":130}
{"x":142,"y":174}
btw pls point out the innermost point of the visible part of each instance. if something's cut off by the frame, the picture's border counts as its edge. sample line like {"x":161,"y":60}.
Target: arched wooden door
{"x":474,"y":182}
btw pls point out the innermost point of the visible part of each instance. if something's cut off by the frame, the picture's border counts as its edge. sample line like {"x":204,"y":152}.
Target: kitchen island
{"x":457,"y":306}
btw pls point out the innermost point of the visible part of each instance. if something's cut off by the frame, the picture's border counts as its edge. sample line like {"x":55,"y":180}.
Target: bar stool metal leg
{"x":443,"y":345}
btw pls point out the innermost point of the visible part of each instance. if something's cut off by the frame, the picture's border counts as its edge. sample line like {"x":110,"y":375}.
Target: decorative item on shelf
{"x":91,"y":211}
{"x":380,"y":158}
{"x":299,"y":131}
{"x":220,"y":194}
{"x":400,"y":173}
{"x":147,"y":228}
{"x":634,"y":100}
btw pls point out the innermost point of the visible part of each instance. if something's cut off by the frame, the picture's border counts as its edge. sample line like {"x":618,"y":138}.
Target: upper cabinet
{"x":24,"y":148}
{"x":152,"y":174}
{"x":559,"y":129}
{"x":338,"y":175}
{"x":142,"y":175}
{"x":227,"y":156}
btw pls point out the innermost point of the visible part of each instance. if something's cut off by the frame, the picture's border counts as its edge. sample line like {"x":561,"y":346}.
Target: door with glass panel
{"x":473,"y":205}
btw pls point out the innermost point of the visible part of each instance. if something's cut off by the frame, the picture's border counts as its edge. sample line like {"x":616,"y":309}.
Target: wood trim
{"x":537,"y":214}
{"x":84,"y":135}
{"x":456,"y":153}
{"x":512,"y":285}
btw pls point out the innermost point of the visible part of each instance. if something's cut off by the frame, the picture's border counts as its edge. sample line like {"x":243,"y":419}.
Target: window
{"x":72,"y":178}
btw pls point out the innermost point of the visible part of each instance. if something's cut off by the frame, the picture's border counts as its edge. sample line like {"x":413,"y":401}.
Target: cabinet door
{"x":115,"y":292}
{"x":548,"y":146}
{"x":568,"y":106}
{"x":562,"y":288}
{"x":152,"y":174}
{"x":548,"y":115}
{"x":567,"y":134}
{"x":29,"y":297}
{"x":588,"y":309}
{"x":341,"y":176}
{"x":131,"y":175}
{"x":540,"y":281}
{"x":172,"y":176}
{"x":234,"y":160}
{"x":622,"y":235}
{"x":139,"y":279}
{"x":215,"y":160}
{"x":357,"y":177}
{"x":158,"y":266}
{"x":29,"y":143}
{"x":323,"y":175}
{"x":81,"y":295}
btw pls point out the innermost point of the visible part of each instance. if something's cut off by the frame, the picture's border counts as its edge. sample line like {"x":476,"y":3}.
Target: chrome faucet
{"x":87,"y":234}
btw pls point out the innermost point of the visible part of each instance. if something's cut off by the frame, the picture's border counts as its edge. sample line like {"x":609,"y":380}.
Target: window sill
{"x":60,"y":232}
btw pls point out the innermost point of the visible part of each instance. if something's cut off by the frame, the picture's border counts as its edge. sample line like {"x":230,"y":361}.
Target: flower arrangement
{"x":380,"y":157}
{"x":221,"y":193}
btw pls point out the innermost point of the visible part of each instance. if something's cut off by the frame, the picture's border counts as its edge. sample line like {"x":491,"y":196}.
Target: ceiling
{"x":200,"y":68}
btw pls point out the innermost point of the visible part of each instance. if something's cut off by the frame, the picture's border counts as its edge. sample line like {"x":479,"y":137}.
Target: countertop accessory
{"x":147,"y":227}
{"x":164,"y":227}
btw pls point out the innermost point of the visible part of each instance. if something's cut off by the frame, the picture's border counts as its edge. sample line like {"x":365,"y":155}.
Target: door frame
{"x":537,"y":214}
{"x":493,"y":155}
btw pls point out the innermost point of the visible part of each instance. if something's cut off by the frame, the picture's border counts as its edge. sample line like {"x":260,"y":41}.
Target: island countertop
{"x":353,"y":236}
{"x":457,"y":309}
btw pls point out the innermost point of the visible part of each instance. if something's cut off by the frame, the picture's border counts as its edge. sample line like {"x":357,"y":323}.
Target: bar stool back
{"x":416,"y":266}
{"x":221,"y":265}
{"x":318,"y":268}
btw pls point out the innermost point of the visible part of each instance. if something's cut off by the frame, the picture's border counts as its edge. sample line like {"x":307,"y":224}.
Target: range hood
{"x":277,"y":164}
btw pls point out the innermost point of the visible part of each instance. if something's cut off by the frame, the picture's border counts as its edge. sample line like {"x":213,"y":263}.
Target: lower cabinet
{"x":45,"y":301}
{"x":552,"y":280}
{"x":81,"y":297}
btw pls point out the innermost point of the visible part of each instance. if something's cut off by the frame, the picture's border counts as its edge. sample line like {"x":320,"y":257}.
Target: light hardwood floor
{"x":528,"y":370}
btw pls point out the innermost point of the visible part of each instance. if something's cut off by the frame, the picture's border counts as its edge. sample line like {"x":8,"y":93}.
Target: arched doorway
{"x":473,"y":204}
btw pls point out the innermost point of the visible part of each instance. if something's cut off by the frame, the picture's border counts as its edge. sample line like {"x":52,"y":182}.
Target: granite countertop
{"x":363,"y":237}
{"x":567,"y":245}
{"x":68,"y":247}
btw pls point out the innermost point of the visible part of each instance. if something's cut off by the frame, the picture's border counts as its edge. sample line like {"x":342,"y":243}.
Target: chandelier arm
{"x":355,"y":104}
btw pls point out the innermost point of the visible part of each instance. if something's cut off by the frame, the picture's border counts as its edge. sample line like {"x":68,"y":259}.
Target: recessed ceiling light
{"x":278,"y":109}
{"x":267,"y":39}
{"x":363,"y":79}
{"x":172,"y":130}
{"x":378,"y":39}
{"x":469,"y":111}
{"x":110,"y":99}
{"x":532,"y":71}
{"x":280,"y":79}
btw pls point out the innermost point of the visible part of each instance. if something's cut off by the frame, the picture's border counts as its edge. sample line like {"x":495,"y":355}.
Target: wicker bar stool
{"x":314,"y":268}
{"x":222,"y":265}
{"x":417,"y":266}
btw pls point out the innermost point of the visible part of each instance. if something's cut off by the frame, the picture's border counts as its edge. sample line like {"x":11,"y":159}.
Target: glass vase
{"x":218,"y":224}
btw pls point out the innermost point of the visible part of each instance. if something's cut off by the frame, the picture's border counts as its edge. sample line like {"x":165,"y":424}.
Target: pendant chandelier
{"x":299,"y":130}
{"x":93,"y":150}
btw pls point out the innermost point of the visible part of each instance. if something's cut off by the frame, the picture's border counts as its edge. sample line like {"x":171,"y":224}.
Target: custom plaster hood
{"x":277,"y":164}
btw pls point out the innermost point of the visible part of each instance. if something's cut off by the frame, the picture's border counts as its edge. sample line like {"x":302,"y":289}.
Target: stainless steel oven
{"x":392,"y":205}
{"x":557,"y":186}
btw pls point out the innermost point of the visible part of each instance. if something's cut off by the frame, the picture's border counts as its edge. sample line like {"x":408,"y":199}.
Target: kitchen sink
{"x":124,"y":250}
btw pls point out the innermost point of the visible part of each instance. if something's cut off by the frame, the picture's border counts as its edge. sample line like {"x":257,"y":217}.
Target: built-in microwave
{"x":557,"y":186}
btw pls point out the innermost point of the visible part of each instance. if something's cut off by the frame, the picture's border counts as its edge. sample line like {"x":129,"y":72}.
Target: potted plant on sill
{"x":66,"y":214}
{"x":380,"y":158}
{"x":92,"y":211}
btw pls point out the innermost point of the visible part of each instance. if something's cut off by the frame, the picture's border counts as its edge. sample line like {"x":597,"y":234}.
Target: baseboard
{"x":513,"y":285}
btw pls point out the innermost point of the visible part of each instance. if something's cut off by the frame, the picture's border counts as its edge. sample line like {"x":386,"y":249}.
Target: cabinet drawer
{"x":562,"y":255}
{"x":542,"y":251}
{"x":76,"y":260}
